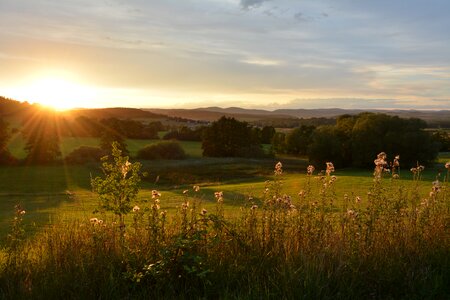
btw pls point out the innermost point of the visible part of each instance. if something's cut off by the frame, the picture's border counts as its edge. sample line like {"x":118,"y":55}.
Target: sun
{"x":59,"y":93}
{"x":59,"y":90}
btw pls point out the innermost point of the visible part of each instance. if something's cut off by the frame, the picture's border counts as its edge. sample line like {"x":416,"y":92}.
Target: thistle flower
{"x":358,"y":199}
{"x":351,"y":213}
{"x":447,"y":165}
{"x":395,"y":176}
{"x":396,"y":161}
{"x":155,"y":194}
{"x":185,"y":205}
{"x":185,"y":192}
{"x":22,"y":212}
{"x":278,"y":168}
{"x":93,"y":221}
{"x":196,"y":188}
{"x":330,"y":168}
{"x":163,"y":213}
{"x":125,"y":168}
{"x":204,"y":211}
{"x":310,"y":169}
{"x":136,"y":209}
{"x":254,"y":206}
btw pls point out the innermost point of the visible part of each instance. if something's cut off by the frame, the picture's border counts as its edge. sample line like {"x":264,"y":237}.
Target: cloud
{"x":248,"y":4}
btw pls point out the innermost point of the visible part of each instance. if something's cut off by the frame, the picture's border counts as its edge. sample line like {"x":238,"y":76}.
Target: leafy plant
{"x":120,"y":186}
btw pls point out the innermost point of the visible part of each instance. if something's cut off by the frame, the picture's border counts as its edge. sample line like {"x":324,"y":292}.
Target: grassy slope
{"x":42,"y":190}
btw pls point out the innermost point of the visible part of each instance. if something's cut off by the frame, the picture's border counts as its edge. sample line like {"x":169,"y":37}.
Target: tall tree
{"x":228,"y":137}
{"x":298,"y":140}
{"x":112,"y":132}
{"x":42,"y":138}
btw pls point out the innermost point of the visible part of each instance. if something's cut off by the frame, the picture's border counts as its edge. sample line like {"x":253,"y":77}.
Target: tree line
{"x":352,"y":141}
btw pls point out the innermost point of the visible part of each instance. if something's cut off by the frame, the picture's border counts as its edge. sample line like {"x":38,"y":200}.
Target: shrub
{"x":162,"y":150}
{"x":85,"y":154}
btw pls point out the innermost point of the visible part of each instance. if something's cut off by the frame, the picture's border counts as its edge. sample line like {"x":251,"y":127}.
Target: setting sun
{"x":58,"y":92}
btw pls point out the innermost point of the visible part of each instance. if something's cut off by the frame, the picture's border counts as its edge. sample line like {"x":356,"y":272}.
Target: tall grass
{"x":391,"y":243}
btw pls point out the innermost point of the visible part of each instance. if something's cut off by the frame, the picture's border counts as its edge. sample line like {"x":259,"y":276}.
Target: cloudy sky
{"x":249,"y":53}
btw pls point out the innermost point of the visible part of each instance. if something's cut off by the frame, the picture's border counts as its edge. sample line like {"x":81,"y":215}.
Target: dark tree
{"x":298,"y":140}
{"x":5,"y":156}
{"x":356,"y":140}
{"x":279,"y":142}
{"x":267,"y":134}
{"x":112,"y":132}
{"x":442,"y":137}
{"x":228,"y":137}
{"x":42,"y":138}
{"x":325,"y":146}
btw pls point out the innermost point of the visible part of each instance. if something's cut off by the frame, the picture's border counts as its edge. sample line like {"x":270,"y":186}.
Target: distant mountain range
{"x":16,"y":112}
{"x":213,"y":113}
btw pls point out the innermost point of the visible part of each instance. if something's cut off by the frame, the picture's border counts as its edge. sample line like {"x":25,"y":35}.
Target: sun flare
{"x":57,"y":91}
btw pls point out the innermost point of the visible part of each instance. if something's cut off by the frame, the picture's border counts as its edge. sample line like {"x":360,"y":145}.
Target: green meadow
{"x":267,"y":235}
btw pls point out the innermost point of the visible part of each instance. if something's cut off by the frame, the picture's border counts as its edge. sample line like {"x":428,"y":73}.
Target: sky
{"x":265,"y":54}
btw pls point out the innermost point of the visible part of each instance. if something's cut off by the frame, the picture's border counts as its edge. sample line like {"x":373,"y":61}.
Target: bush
{"x":7,"y":159}
{"x":162,"y":150}
{"x":85,"y":154}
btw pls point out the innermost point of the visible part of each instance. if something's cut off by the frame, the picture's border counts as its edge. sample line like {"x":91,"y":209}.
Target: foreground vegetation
{"x":390,"y":242}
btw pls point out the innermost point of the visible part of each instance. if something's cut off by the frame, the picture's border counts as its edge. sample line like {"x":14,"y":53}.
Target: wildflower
{"x":330,"y":168}
{"x":100,"y":222}
{"x":333,"y":178}
{"x":93,"y":221}
{"x":310,"y":169}
{"x":155,"y":194}
{"x":163,"y":213}
{"x":396,"y":161}
{"x":413,"y":170}
{"x":126,"y":168}
{"x":358,"y":199}
{"x":420,"y":168}
{"x":185,"y":205}
{"x":254,"y":206}
{"x":395,"y":176}
{"x":22,"y":212}
{"x":301,"y":193}
{"x":218,"y":194}
{"x":136,"y":209}
{"x":185,"y":192}
{"x":447,"y":165}
{"x":204,"y":211}
{"x":278,"y":168}
{"x":196,"y":188}
{"x":352,"y":213}
{"x":436,"y":186}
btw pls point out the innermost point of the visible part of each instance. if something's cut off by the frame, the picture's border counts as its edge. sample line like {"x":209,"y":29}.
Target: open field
{"x":251,"y":244}
{"x":62,"y":191}
{"x":68,"y":144}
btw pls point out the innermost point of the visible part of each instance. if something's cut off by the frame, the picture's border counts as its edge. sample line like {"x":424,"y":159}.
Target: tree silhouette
{"x":42,"y":138}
